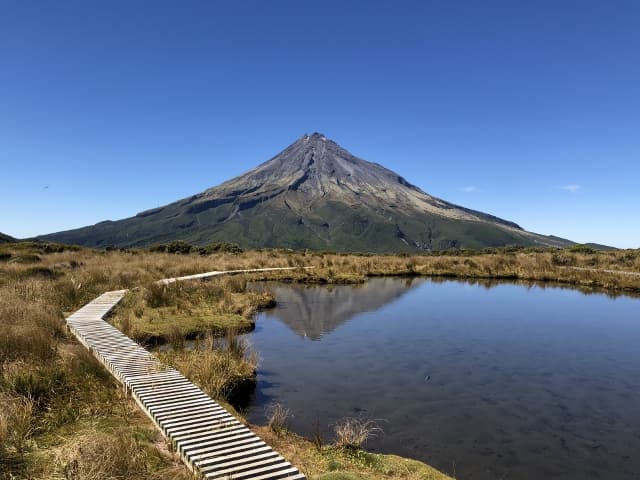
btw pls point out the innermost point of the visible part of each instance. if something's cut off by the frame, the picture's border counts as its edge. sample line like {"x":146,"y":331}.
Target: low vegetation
{"x":157,"y":313}
{"x":278,"y":419}
{"x":353,"y":433}
{"x":333,"y":461}
{"x":63,"y":416}
{"x":182,"y":247}
{"x":223,"y":367}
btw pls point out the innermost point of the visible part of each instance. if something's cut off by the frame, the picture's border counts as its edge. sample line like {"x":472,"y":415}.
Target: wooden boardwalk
{"x":202,"y":276}
{"x":208,"y":438}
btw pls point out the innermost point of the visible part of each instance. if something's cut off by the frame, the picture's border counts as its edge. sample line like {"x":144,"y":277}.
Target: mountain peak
{"x":315,"y":139}
{"x":315,"y":160}
{"x":316,"y":136}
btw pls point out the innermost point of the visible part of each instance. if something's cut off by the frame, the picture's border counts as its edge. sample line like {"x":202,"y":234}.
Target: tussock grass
{"x":25,"y":342}
{"x":16,"y":425}
{"x":353,"y":433}
{"x":112,"y":455}
{"x":50,"y":387}
{"x":219,"y":366}
{"x":278,"y":418}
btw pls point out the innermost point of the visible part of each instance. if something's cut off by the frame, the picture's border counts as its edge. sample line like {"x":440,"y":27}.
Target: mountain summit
{"x":314,"y":194}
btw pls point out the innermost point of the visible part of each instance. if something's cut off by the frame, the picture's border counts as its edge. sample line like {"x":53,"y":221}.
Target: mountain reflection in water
{"x":315,"y":310}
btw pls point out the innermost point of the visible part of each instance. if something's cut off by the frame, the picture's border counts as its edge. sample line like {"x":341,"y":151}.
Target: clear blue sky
{"x":526,"y":110}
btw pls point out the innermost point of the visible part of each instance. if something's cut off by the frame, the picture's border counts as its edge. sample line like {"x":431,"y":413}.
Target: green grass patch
{"x":167,"y":322}
{"x":330,"y":462}
{"x":160,"y":313}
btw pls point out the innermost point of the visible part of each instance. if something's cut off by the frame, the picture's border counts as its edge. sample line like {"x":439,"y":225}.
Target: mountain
{"x":4,"y":238}
{"x":316,"y":195}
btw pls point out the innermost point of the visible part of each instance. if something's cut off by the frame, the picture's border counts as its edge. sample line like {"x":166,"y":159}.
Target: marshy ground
{"x":62,"y":414}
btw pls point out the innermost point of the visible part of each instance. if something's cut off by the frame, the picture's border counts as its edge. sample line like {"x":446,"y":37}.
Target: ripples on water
{"x":487,"y":380}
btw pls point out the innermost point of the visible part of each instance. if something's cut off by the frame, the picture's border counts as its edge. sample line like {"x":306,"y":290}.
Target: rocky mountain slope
{"x":317,"y":195}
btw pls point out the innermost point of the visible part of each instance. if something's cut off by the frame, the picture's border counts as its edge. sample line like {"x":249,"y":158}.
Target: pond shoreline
{"x":155,"y":340}
{"x":519,"y":355}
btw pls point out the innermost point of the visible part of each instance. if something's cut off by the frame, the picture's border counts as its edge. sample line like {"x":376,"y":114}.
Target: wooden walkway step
{"x":208,"y":438}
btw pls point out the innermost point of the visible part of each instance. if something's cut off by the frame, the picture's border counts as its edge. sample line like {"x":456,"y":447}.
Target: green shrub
{"x":159,"y":248}
{"x":581,"y":248}
{"x":179,"y":246}
{"x":58,"y":248}
{"x":220,"y":247}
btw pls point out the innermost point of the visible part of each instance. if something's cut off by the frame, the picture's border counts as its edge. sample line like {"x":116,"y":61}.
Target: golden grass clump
{"x":353,"y":433}
{"x":218,"y":366}
{"x":278,"y":418}
{"x":107,"y":456}
{"x":16,"y":426}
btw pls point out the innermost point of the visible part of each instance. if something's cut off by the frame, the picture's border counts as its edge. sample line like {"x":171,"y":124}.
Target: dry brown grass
{"x":545,"y":265}
{"x":278,"y":418}
{"x":354,"y":432}
{"x":217,"y":365}
{"x":16,"y":425}
{"x":50,"y":387}
{"x":116,"y":454}
{"x":99,"y":455}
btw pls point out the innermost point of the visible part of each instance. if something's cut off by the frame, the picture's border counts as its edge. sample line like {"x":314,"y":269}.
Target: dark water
{"x":507,"y":382}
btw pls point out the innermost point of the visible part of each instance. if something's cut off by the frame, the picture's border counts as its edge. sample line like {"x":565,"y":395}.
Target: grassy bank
{"x":156,"y":313}
{"x":63,"y":416}
{"x":334,"y":461}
